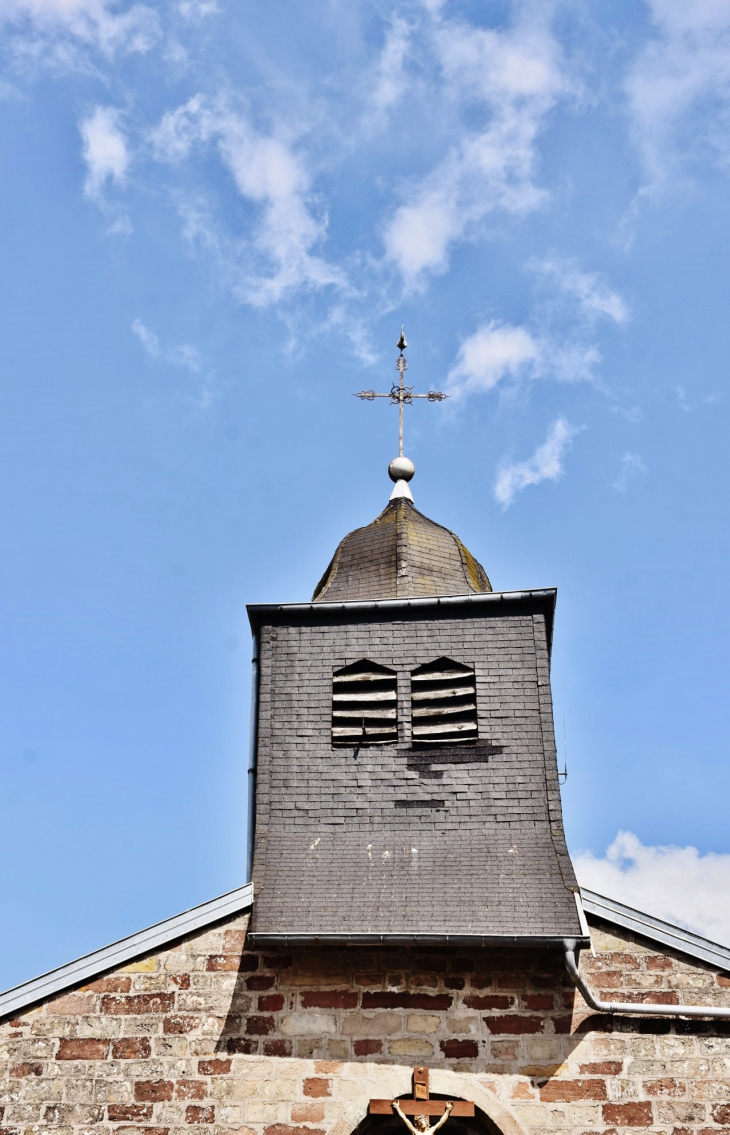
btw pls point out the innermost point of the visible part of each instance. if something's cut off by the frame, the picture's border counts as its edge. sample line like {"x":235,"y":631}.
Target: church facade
{"x":413,"y":917}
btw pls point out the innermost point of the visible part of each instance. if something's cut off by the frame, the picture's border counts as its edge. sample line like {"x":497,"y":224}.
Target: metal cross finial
{"x":401,"y":395}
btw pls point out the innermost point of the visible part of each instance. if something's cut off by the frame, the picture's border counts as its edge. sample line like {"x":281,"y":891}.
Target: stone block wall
{"x":209,"y":1035}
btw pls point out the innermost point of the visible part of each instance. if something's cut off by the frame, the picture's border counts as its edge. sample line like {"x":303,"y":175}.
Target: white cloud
{"x":492,"y":353}
{"x":498,"y":351}
{"x":104,"y":150}
{"x":96,"y":23}
{"x":196,"y":10}
{"x":515,"y":76}
{"x":631,"y":466}
{"x":679,"y":87}
{"x":390,"y":79}
{"x":185,"y":357}
{"x":544,"y":465}
{"x":594,"y":297}
{"x":269,"y":174}
{"x":677,"y":884}
{"x":182,"y":356}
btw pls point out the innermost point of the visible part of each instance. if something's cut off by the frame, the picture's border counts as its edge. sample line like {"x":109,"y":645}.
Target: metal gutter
{"x":655,"y":929}
{"x":256,"y":609}
{"x":253,"y":754}
{"x":259,"y":612}
{"x":125,"y":950}
{"x":641,"y":1009}
{"x":522,"y":940}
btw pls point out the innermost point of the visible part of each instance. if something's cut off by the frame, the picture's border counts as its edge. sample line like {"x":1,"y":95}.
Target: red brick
{"x":625,"y":961}
{"x":190,"y":1089}
{"x":651,"y":997}
{"x":659,"y":961}
{"x":181,"y":980}
{"x":454,"y":982}
{"x":286,"y":1129}
{"x":223,"y":963}
{"x":537,"y":1001}
{"x":602,"y":1068}
{"x":666,"y":1087}
{"x":455,"y":1049}
{"x":234,"y":941}
{"x":316,"y":1087}
{"x":563,"y":1023}
{"x":407,"y":1001}
{"x":462,"y":965}
{"x":489,"y":1001}
{"x":116,"y":983}
{"x":329,"y":999}
{"x":213,"y":1067}
{"x":260,"y":1026}
{"x":139,"y":1004}
{"x":307,"y":1112}
{"x":482,"y":981}
{"x":86,"y":1049}
{"x":271,"y":1002}
{"x":278,"y":961}
{"x":248,"y":963}
{"x":564,"y":1091}
{"x":723,"y":981}
{"x":277,"y":1048}
{"x":27,"y":1069}
{"x":241,"y":1045}
{"x":153,"y":1090}
{"x":628,"y":1114}
{"x":721,"y":1112}
{"x":174,"y":1026}
{"x":129,"y":1112}
{"x":131,"y":1048}
{"x":195,"y":1114}
{"x":511,"y":1024}
{"x":260,"y":981}
{"x":367,"y":1047}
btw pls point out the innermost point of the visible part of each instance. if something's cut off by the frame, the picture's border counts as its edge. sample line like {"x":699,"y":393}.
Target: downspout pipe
{"x":640,"y":1009}
{"x":252,"y":755}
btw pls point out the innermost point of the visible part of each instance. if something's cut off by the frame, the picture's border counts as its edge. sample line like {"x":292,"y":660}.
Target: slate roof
{"x":402,"y":553}
{"x":371,"y":843}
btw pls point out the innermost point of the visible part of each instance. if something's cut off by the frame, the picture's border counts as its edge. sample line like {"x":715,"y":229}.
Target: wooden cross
{"x":421,"y":1104}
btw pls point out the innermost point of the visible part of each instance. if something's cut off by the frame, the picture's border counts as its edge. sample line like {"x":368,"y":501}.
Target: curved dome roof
{"x":402,"y":554}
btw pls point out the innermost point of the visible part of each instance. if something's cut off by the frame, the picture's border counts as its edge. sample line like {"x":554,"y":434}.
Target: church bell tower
{"x":405,"y":782}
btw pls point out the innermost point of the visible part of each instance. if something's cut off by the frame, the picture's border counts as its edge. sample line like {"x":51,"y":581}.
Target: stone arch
{"x":387,"y":1082}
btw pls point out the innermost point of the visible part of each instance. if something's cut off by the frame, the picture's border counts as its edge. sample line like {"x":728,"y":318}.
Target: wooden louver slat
{"x":364,"y":705}
{"x":444,"y":694}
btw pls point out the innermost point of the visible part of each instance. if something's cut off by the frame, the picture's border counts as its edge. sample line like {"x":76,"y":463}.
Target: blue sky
{"x":215,"y":218}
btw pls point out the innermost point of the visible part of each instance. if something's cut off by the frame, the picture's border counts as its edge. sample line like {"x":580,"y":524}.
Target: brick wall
{"x":209,"y":1035}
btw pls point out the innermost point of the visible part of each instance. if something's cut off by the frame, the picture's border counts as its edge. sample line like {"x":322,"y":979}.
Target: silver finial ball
{"x":401,"y":469}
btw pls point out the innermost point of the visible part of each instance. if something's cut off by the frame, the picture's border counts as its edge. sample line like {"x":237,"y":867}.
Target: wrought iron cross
{"x":401,"y":395}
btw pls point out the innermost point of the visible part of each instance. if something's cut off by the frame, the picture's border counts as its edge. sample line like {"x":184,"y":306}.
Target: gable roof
{"x":125,"y":950}
{"x":655,"y":929}
{"x":206,"y":914}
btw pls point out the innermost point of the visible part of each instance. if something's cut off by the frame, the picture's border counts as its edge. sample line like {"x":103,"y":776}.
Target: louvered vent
{"x":443,"y":703}
{"x":364,"y":705}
